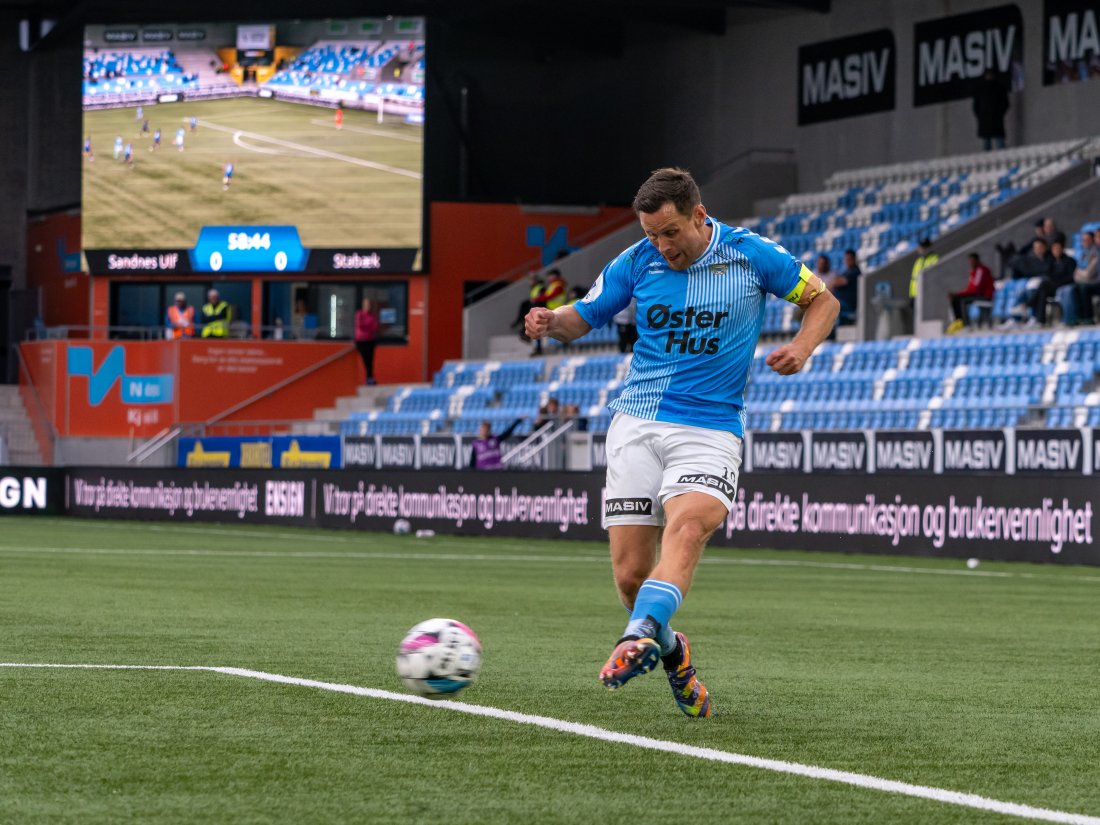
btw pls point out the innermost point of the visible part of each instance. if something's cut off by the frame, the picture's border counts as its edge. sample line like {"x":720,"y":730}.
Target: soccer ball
{"x":438,"y":658}
{"x":401,"y":527}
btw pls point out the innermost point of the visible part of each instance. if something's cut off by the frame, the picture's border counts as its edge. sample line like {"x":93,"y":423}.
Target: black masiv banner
{"x":1071,"y":41}
{"x":951,"y":53}
{"x":846,"y":77}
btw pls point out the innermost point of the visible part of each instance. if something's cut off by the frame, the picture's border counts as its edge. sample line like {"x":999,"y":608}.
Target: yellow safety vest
{"x":216,"y":320}
{"x":919,"y":265}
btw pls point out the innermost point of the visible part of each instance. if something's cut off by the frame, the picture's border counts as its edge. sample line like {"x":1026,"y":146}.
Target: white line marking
{"x":513,"y":557}
{"x":858,"y":780}
{"x":324,"y":153}
{"x":259,"y":149}
{"x":375,"y":132}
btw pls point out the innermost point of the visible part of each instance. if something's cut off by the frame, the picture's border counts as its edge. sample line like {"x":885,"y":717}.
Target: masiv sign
{"x":1008,"y":451}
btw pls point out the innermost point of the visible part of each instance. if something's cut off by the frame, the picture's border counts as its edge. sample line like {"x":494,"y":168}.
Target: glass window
{"x":301,"y":310}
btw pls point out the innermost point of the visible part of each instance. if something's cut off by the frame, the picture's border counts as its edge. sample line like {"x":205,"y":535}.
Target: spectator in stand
{"x":925,"y":258}
{"x":571,"y":412}
{"x":485,"y":454}
{"x":1049,"y":232}
{"x":627,"y":322}
{"x":1062,"y":267}
{"x":216,"y":316}
{"x":823,"y":268}
{"x":845,"y":287}
{"x":989,"y":105}
{"x":180,"y":318}
{"x":979,"y":287}
{"x":366,"y":335}
{"x":556,"y":290}
{"x":549,"y":413}
{"x":1035,"y":266}
{"x":1086,"y":281}
{"x":535,"y":289}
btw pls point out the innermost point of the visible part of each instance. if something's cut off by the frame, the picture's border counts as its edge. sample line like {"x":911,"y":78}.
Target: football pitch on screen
{"x":280,"y":702}
{"x":358,"y":186}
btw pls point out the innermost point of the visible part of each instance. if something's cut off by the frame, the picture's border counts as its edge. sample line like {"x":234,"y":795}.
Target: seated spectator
{"x":486,"y":452}
{"x":1062,"y":267}
{"x":845,"y":286}
{"x":1035,"y":266}
{"x":571,"y":412}
{"x":548,"y":414}
{"x":1086,"y":279}
{"x":1051,"y":233}
{"x":1086,"y":273}
{"x":979,"y":287}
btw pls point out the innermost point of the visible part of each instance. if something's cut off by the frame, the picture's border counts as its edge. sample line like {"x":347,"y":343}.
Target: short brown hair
{"x":668,"y":185}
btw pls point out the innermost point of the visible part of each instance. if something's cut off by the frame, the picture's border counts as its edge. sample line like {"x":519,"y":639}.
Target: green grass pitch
{"x":959,"y":680}
{"x":292,"y":167}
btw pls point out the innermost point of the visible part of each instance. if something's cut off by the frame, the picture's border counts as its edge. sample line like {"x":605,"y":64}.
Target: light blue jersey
{"x":697,"y":329}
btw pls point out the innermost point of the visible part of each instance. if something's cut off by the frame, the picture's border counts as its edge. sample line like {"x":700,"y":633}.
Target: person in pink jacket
{"x":366,"y":333}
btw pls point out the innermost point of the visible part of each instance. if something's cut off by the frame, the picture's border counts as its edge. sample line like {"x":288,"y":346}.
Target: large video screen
{"x":260,"y":146}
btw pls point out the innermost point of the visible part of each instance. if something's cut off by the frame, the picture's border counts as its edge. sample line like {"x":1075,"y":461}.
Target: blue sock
{"x":666,"y":637}
{"x":653,"y":608}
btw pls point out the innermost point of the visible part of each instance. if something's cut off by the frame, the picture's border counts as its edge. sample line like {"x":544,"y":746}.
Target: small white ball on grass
{"x":972,"y":563}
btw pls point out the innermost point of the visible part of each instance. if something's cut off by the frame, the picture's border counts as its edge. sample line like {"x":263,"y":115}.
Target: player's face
{"x":680,"y":239}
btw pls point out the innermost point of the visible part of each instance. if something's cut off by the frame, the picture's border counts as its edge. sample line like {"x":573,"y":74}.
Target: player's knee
{"x":691,"y":529}
{"x":628,"y":582}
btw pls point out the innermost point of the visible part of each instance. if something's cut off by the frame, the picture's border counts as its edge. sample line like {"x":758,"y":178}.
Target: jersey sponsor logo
{"x":663,"y":316}
{"x":595,"y":291}
{"x":714,"y":482}
{"x":628,"y":506}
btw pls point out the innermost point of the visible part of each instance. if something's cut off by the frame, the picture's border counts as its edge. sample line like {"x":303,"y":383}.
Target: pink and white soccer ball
{"x":438,"y":658}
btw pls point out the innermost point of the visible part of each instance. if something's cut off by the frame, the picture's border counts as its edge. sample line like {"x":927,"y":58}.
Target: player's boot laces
{"x":630,"y":658}
{"x":691,"y":695}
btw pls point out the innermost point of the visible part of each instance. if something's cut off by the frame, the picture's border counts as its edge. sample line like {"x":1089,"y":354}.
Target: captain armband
{"x":809,"y":286}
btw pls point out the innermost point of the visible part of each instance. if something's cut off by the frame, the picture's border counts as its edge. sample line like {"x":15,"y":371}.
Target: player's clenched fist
{"x":786,"y":359}
{"x":537,"y":322}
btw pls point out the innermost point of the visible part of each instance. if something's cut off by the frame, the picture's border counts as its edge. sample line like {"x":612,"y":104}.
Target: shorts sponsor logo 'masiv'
{"x":715,"y":482}
{"x":628,"y":506}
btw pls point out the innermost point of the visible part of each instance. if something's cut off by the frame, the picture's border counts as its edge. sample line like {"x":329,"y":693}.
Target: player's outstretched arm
{"x":821,"y":310}
{"x":564,"y":324}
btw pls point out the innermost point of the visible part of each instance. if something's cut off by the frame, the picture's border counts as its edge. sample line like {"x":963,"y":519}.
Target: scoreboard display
{"x":307,"y":159}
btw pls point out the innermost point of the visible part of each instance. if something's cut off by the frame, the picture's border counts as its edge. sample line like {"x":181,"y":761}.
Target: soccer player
{"x":118,"y":146}
{"x":156,"y":140}
{"x":88,"y":149}
{"x":194,"y":122}
{"x":674,"y":445}
{"x":227,"y":177}
{"x":139,"y":114}
{"x":179,"y":138}
{"x":128,"y":154}
{"x":339,"y":117}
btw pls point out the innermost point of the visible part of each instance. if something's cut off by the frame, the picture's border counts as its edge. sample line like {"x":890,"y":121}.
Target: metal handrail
{"x":324,"y":362}
{"x":152,"y":445}
{"x":43,"y":413}
{"x":527,"y":449}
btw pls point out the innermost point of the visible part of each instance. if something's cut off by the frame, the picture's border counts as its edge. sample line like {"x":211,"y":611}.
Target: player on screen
{"x":118,"y":146}
{"x":156,"y":141}
{"x":194,"y":123}
{"x":227,"y":177}
{"x":145,"y":126}
{"x":88,"y":154}
{"x":674,"y":445}
{"x":128,"y":154}
{"x":179,"y":138}
{"x":139,"y":114}
{"x":339,"y":117}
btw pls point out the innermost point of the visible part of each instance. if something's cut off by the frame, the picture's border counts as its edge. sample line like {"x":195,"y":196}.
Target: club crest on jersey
{"x":719,"y":269}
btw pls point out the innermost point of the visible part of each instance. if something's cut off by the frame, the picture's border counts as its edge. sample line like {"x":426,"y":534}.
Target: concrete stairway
{"x":326,"y":420}
{"x":15,"y":429}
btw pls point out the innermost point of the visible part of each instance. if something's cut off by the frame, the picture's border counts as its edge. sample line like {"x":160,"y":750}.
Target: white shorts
{"x":649,"y":462}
